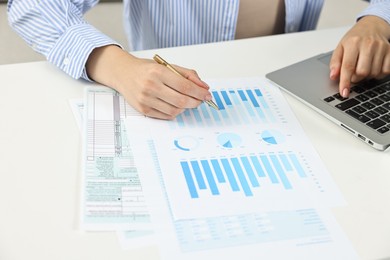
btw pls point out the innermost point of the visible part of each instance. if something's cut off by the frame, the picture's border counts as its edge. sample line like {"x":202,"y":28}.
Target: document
{"x":277,"y":234}
{"x":250,"y":155}
{"x":128,"y":239}
{"x":306,"y":233}
{"x":112,"y":194}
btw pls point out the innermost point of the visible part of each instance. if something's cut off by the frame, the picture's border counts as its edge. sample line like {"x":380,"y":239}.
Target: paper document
{"x":112,"y":195}
{"x":293,"y":233}
{"x":250,"y":155}
{"x":308,"y":233}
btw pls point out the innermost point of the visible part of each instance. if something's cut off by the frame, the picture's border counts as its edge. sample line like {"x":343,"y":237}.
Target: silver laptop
{"x":365,"y":114}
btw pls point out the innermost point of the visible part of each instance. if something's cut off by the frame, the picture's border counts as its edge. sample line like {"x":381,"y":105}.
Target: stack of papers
{"x":240,"y":182}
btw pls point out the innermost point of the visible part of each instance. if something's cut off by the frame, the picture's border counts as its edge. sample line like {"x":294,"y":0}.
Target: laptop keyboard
{"x":370,"y":104}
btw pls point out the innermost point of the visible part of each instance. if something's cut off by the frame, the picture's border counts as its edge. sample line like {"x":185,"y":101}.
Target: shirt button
{"x":66,"y":61}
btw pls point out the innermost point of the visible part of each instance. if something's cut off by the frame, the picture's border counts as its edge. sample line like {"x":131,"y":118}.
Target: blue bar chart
{"x":242,"y":174}
{"x":236,"y":107}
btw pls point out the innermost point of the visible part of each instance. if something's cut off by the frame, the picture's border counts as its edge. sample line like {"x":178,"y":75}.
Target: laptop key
{"x":372,"y":114}
{"x":339,"y":97}
{"x":383,"y":129}
{"x":386,"y":118}
{"x":362,"y":97}
{"x":386,"y":105}
{"x":361,"y":118}
{"x":329,"y":99}
{"x":385,"y":97}
{"x":386,"y":86}
{"x":379,"y":90}
{"x":376,"y":123}
{"x":371,"y":94}
{"x":368,"y":105}
{"x":347,"y":104}
{"x":358,"y":89}
{"x":359,"y":109}
{"x":381,"y":110}
{"x":376,"y":101}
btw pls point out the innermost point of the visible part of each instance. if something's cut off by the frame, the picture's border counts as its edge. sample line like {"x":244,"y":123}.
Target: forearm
{"x":57,"y":30}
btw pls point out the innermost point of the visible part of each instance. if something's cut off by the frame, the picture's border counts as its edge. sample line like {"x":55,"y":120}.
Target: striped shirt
{"x":57,"y":29}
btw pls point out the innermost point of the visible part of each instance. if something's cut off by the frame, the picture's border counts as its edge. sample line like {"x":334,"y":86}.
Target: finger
{"x":154,"y":113}
{"x":156,"y":108}
{"x":164,"y":98}
{"x":347,"y":70}
{"x":386,"y":63}
{"x":185,"y":86}
{"x":193,"y":76}
{"x":355,"y":78}
{"x":176,"y":99}
{"x":378,"y":62}
{"x":335,"y":63}
{"x":165,"y":107}
{"x":364,"y":64}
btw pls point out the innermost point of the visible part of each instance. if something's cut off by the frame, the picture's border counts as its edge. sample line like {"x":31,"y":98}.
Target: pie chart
{"x":186,"y":143}
{"x":229,"y":140}
{"x":272,"y":137}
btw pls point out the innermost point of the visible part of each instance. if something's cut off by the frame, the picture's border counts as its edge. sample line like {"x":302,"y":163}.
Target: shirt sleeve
{"x":56,"y":29}
{"x":380,"y":8}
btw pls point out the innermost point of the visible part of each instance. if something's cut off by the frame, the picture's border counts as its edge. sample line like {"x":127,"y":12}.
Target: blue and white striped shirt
{"x":57,"y":29}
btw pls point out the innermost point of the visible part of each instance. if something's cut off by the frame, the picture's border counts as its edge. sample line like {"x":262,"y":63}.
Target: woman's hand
{"x":364,"y":52}
{"x":149,"y":87}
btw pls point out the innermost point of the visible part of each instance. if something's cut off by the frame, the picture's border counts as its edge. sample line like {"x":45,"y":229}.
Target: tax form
{"x":112,"y":195}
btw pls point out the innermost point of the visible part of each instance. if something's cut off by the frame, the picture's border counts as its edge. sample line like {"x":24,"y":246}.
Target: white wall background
{"x":108,"y":18}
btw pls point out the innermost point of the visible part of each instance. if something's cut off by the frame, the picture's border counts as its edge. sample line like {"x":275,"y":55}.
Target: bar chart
{"x":242,"y":174}
{"x":250,"y":154}
{"x":236,"y":107}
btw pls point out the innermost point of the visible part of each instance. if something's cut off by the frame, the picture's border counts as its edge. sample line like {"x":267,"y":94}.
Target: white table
{"x":40,"y":154}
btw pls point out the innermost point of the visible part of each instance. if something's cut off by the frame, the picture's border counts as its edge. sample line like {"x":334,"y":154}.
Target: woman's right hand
{"x":152,"y":89}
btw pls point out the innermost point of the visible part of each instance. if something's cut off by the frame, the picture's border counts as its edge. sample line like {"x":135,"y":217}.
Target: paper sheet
{"x":112,"y":195}
{"x":303,"y":233}
{"x":309,"y":233}
{"x":250,"y":155}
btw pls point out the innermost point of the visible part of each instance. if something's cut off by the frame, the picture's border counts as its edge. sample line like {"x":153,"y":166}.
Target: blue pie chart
{"x":229,"y":140}
{"x":272,"y":137}
{"x":186,"y":143}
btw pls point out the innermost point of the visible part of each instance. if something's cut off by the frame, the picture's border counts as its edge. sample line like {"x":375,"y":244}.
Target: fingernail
{"x":331,"y":75}
{"x":208,"y":97}
{"x":345,"y":92}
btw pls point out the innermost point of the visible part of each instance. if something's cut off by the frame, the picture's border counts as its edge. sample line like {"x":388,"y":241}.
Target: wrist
{"x":382,"y":25}
{"x":106,"y":65}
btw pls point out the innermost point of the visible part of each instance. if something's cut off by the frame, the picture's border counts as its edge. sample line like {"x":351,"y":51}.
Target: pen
{"x":161,"y":61}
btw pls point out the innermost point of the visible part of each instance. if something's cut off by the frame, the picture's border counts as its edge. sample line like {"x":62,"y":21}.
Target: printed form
{"x":112,"y":196}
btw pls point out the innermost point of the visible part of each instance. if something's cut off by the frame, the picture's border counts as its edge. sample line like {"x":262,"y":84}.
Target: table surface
{"x":40,"y":155}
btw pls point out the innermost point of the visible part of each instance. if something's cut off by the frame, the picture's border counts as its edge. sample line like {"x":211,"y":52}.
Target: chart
{"x":186,"y":143}
{"x":229,"y":140}
{"x":252,"y":153}
{"x":272,"y":137}
{"x":241,"y":174}
{"x":236,"y":107}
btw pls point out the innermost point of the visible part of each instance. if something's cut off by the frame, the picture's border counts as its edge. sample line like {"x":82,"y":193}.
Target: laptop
{"x":365,"y":113}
